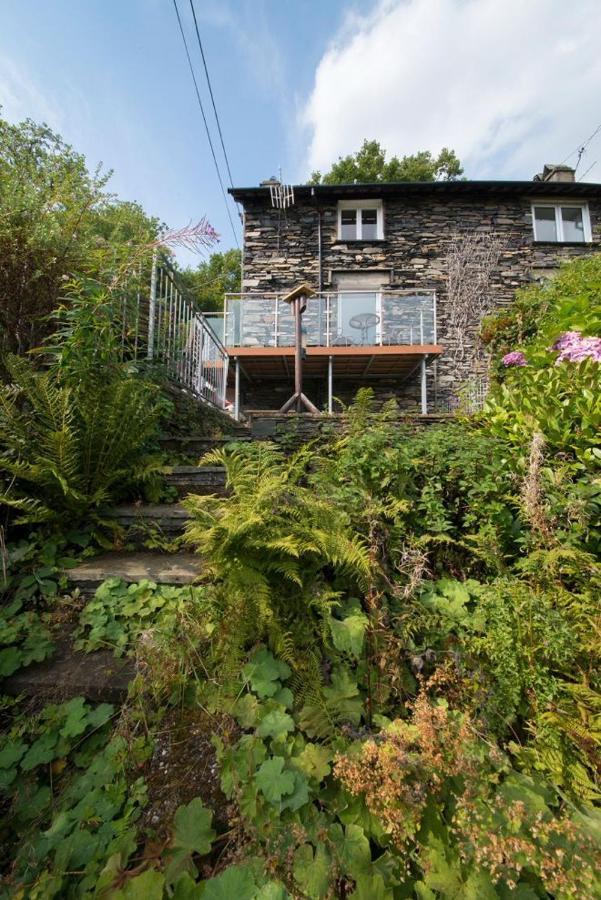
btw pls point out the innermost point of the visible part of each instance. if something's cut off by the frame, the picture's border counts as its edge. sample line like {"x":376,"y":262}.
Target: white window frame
{"x":359,"y":206}
{"x":557,"y":206}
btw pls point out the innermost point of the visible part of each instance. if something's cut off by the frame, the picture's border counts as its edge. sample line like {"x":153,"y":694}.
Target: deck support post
{"x":424,"y":386}
{"x":330,"y":382}
{"x":236,"y":389}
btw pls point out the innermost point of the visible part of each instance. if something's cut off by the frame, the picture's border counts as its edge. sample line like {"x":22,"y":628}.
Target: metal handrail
{"x":169,"y":328}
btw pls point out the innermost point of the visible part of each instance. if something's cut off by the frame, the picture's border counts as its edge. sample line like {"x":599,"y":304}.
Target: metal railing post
{"x":237,"y":389}
{"x":152,"y":306}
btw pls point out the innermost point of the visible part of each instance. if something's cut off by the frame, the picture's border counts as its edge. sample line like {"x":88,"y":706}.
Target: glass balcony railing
{"x":344,"y":319}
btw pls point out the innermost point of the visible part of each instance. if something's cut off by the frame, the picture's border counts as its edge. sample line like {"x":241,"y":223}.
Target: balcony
{"x":351,"y":319}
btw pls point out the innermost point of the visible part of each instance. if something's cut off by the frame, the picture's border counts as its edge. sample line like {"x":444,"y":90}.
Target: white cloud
{"x":20,"y":99}
{"x":508,"y":84}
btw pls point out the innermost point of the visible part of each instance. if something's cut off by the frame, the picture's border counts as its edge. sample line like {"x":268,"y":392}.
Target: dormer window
{"x":360,"y":220}
{"x":561,"y":223}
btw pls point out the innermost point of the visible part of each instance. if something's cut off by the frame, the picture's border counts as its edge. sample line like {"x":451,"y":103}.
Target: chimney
{"x":556,"y":173}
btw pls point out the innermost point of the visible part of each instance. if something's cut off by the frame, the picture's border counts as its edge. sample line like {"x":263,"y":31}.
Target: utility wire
{"x":204,"y":119}
{"x":204,"y":62}
{"x":582,"y":147}
{"x":592,"y":166}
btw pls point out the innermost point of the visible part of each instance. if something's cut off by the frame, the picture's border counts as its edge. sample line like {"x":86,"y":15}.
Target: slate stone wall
{"x":280,"y":251}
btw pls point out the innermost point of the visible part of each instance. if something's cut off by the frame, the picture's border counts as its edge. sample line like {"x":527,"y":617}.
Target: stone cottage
{"x":403,"y":274}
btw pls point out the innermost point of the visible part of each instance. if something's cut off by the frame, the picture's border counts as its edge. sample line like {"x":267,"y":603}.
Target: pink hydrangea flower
{"x":515,"y":358}
{"x":573,"y":347}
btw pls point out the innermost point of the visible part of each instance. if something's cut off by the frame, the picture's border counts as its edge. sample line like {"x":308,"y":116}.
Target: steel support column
{"x":330,"y":382}
{"x":424,"y":386}
{"x":237,"y":389}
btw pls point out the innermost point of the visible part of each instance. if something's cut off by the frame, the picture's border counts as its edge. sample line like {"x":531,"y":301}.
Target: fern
{"x":269,"y":542}
{"x":66,"y":451}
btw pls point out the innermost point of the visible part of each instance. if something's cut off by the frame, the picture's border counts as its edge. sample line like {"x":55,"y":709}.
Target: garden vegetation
{"x":392,"y":656}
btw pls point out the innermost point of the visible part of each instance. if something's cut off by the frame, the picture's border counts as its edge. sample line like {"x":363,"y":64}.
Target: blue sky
{"x":510,"y":85}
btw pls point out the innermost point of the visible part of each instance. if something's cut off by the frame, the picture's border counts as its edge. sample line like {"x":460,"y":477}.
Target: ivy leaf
{"x":264,"y":672}
{"x":352,"y":848}
{"x":371,"y":887}
{"x":275,"y":724}
{"x":193,"y":827}
{"x":11,"y":753}
{"x":342,"y":697}
{"x":272,"y":781}
{"x":314,"y":761}
{"x":300,"y":794}
{"x":236,"y":882}
{"x":348,"y":634}
{"x":100,"y":716}
{"x":147,"y":886}
{"x":312,"y":871}
{"x":10,"y":660}
{"x":186,"y":888}
{"x":246,"y":711}
{"x":77,"y":716}
{"x":273,"y":890}
{"x":285,"y":697}
{"x":41,"y":751}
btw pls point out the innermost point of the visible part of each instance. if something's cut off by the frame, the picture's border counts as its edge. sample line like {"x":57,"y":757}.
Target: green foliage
{"x":539,"y":314}
{"x":23,"y":638}
{"x":68,"y":447}
{"x":269,"y":542}
{"x":57,"y":220}
{"x":561,"y":402}
{"x":220,"y":274}
{"x":396,"y":652}
{"x":369,"y":165}
{"x":119,"y":612}
{"x":69,"y":804}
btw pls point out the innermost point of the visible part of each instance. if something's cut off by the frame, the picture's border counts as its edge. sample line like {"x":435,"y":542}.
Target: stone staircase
{"x":99,"y":675}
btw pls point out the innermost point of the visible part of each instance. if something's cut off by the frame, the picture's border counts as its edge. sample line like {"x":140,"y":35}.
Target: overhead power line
{"x":582,"y":147}
{"x":204,"y":62}
{"x":206,"y":124}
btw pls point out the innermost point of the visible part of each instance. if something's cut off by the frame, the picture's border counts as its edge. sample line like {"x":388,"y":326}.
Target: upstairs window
{"x":360,"y":220}
{"x":562,"y":223}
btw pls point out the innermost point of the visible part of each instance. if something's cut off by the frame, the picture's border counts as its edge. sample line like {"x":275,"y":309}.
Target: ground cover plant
{"x":389,"y":674}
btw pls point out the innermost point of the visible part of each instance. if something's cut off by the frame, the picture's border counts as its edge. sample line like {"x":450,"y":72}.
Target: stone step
{"x":177,"y":568}
{"x":197,"y":445}
{"x":197,"y":479}
{"x":98,"y":676}
{"x":169,"y":518}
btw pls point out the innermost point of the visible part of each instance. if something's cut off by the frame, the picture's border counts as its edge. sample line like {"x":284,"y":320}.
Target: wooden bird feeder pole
{"x":298,"y":301}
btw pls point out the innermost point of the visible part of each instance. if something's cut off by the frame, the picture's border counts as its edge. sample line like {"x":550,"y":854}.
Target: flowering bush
{"x":573,"y":347}
{"x":515,"y":358}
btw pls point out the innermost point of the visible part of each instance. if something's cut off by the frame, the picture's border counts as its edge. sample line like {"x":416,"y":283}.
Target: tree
{"x":369,"y":165}
{"x":57,"y":223}
{"x":216,"y":276}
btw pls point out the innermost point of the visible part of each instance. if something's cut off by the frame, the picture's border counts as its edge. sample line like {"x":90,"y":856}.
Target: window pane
{"x":546,"y":229}
{"x":348,"y":224}
{"x":369,"y":224}
{"x":573,"y":225}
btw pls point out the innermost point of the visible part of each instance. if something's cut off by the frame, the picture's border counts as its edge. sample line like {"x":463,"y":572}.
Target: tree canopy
{"x":57,"y":222}
{"x":369,"y":165}
{"x":214,"y":277}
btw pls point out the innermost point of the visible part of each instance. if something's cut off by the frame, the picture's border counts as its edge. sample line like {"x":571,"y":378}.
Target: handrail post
{"x":152,"y":306}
